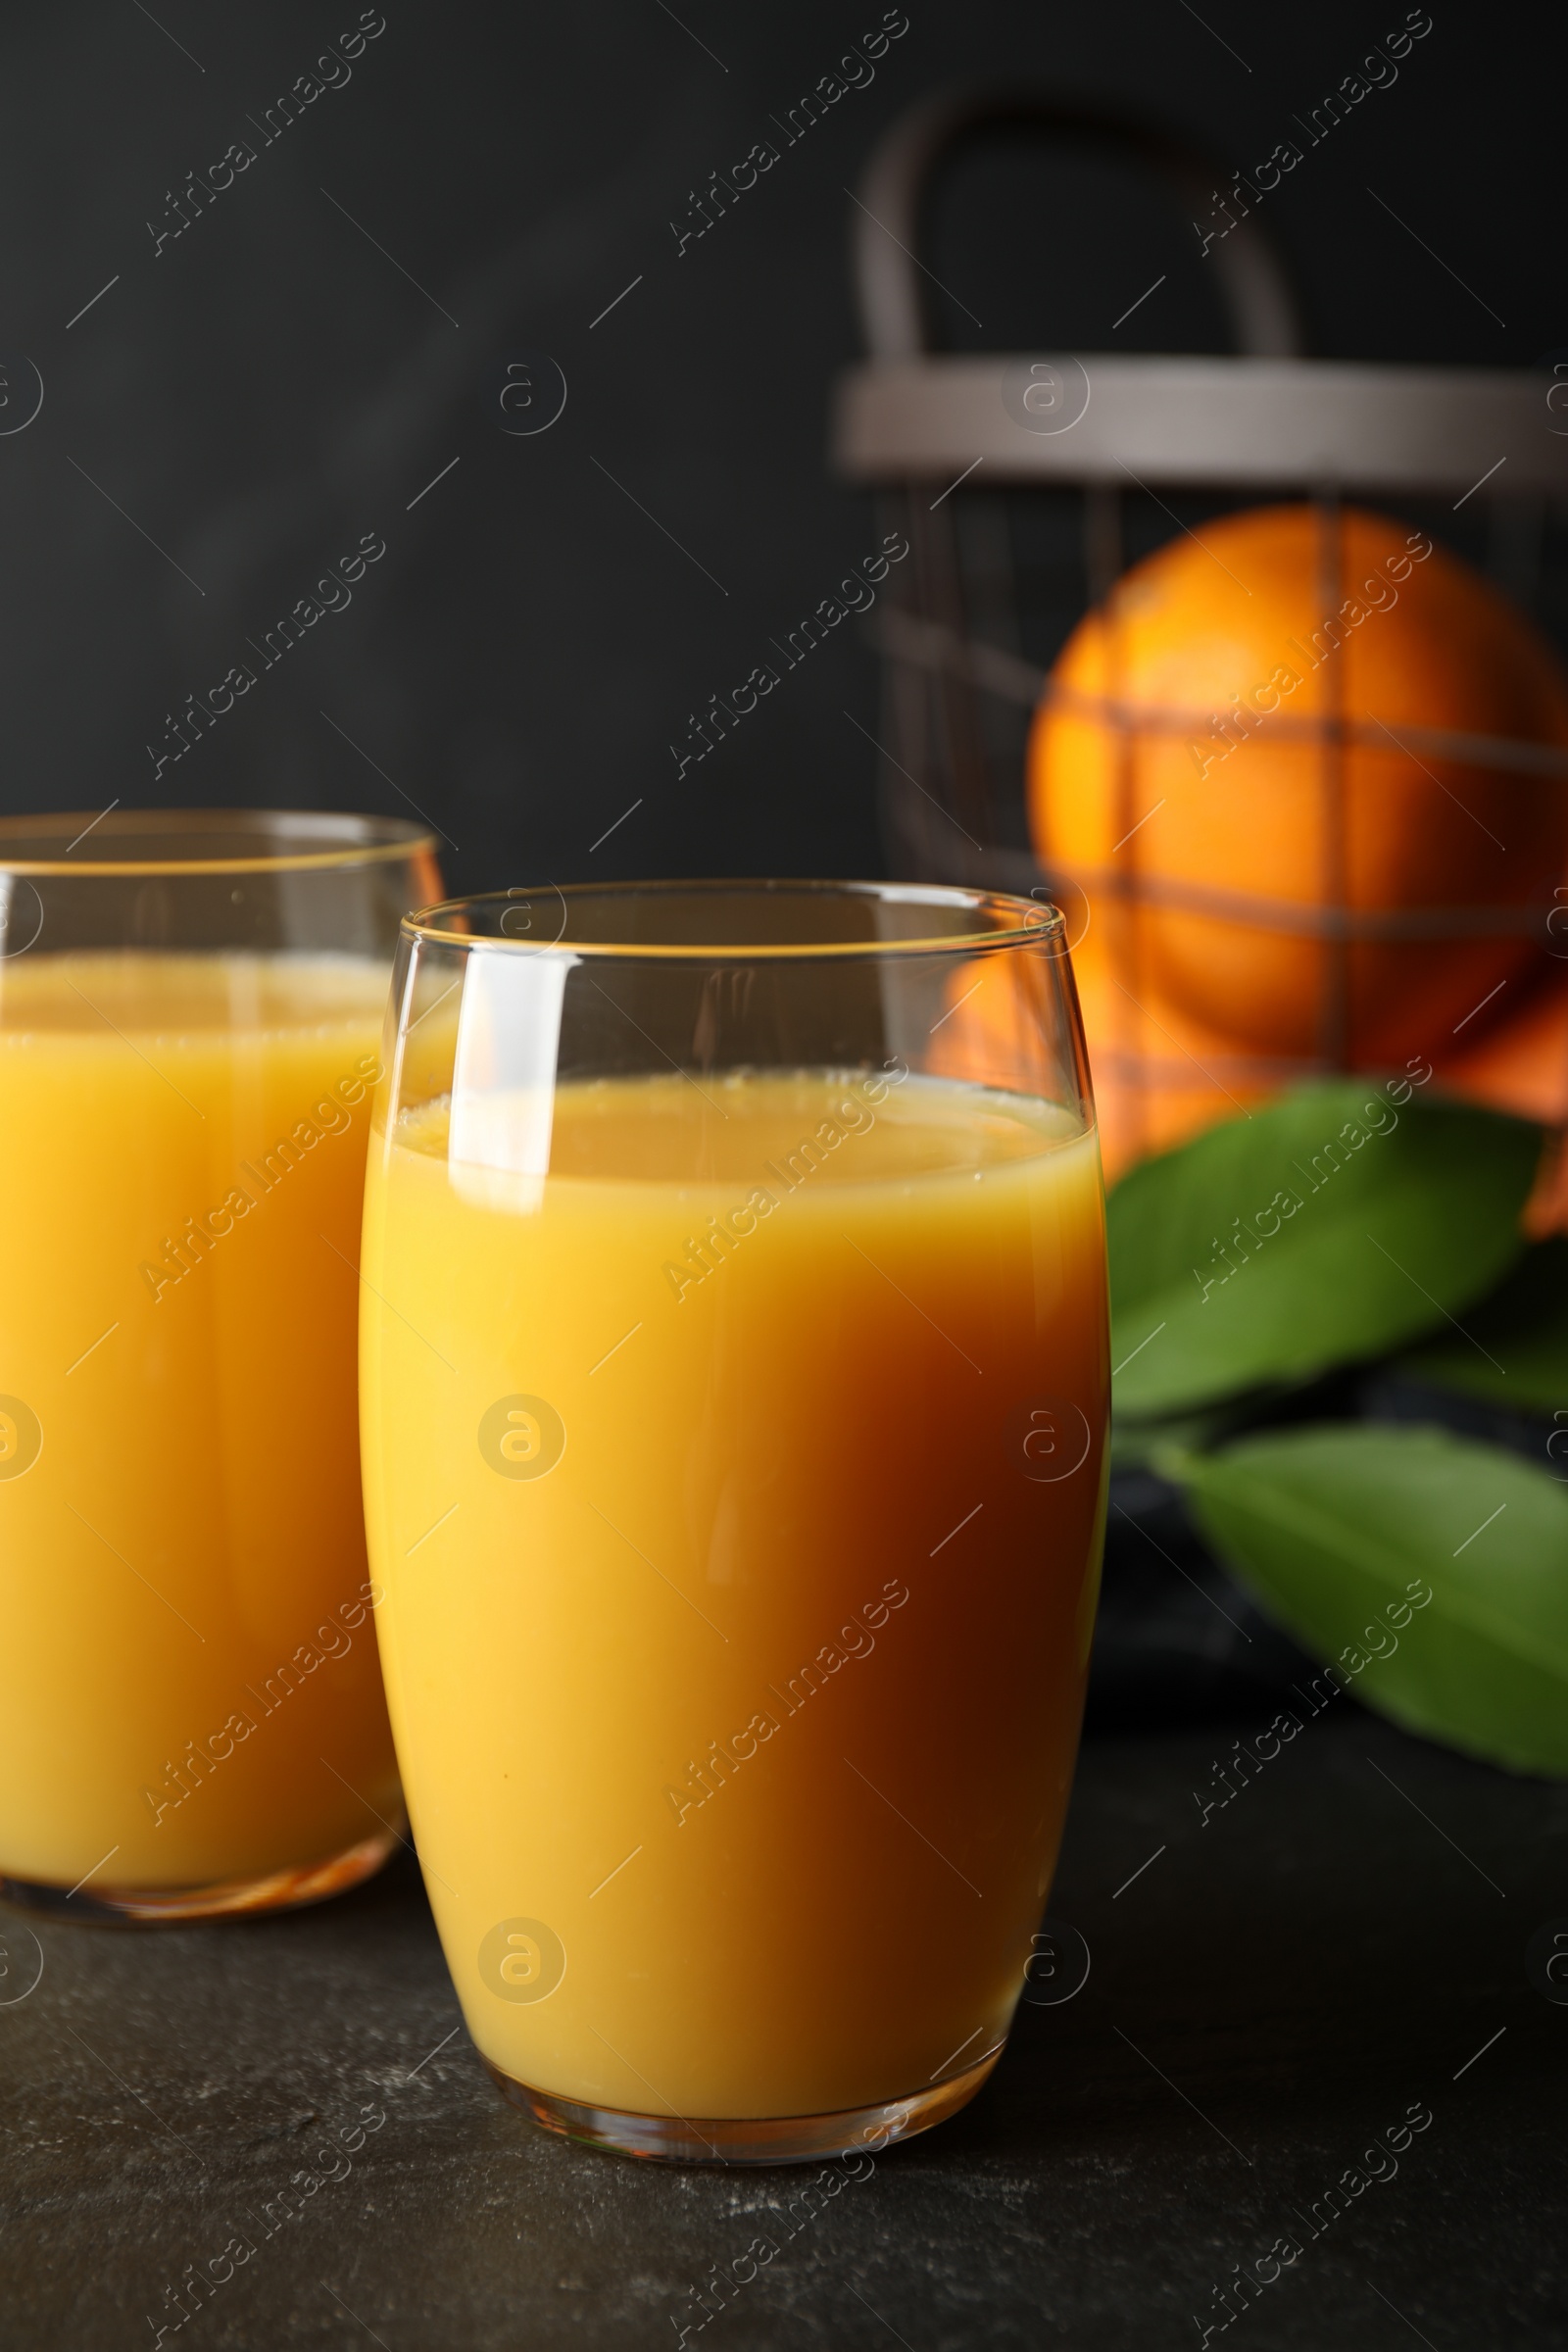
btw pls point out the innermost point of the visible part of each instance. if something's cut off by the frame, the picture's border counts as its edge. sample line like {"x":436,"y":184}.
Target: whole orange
{"x":1223,"y":761}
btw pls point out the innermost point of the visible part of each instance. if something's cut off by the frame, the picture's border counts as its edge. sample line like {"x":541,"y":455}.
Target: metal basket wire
{"x":1025,"y":483}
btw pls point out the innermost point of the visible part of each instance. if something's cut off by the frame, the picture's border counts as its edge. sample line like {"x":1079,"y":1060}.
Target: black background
{"x":269,"y":387}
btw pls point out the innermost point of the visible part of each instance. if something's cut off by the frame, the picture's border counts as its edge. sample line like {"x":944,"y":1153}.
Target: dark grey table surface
{"x":1268,"y":1998}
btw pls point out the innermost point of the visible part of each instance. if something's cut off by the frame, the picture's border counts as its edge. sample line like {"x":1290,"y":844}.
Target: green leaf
{"x":1330,"y":1527}
{"x":1514,"y":1349}
{"x":1327,"y":1227}
{"x":1139,"y":1445}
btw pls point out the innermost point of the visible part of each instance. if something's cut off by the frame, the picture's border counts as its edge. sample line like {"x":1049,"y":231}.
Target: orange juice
{"x":192,"y":1696}
{"x":737,"y":1491}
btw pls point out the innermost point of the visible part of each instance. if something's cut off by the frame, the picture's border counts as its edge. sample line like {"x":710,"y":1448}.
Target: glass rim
{"x":1034,"y":921}
{"x":359,"y":841}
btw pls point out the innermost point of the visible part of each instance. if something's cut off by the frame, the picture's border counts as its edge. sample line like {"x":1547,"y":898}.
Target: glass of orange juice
{"x":190,"y":1016}
{"x":734,"y":1391}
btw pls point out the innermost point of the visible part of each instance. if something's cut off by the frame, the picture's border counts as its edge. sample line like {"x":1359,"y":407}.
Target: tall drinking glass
{"x":734,"y":1391}
{"x":190,"y":1012}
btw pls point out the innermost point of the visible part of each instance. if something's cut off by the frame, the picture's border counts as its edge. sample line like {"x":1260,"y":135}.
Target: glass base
{"x":748,"y":2139}
{"x":279,"y":1891}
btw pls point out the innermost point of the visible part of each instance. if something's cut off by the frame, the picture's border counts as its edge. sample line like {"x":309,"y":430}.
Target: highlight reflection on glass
{"x":190,"y":1030}
{"x":734,"y":1394}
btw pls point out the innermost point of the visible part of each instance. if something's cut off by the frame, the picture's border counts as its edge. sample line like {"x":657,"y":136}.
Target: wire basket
{"x":1026,"y":483}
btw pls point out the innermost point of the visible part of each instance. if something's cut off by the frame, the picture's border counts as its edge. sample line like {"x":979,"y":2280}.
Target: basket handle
{"x":1254,"y":281}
